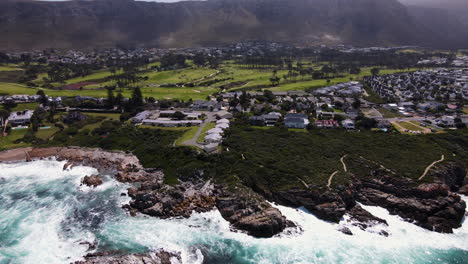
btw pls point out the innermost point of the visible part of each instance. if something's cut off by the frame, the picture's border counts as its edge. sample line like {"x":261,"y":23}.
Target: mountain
{"x":27,"y":24}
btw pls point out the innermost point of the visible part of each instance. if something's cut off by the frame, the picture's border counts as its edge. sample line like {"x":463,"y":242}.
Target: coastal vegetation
{"x":265,"y":159}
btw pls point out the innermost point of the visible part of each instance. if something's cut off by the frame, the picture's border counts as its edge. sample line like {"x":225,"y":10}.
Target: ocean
{"x":47,"y":217}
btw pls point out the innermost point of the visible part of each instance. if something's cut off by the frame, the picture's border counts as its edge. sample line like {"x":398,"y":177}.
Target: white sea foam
{"x":39,"y":202}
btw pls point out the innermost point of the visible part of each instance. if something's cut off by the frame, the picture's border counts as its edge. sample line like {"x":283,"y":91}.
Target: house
{"x":326,"y":123}
{"x":222,"y":126}
{"x":203,"y":105}
{"x":296,"y":121}
{"x":265,"y":120}
{"x":215,"y":130}
{"x":222,"y":121}
{"x":348,"y":124}
{"x":165,"y":122}
{"x":213,"y":138}
{"x":271,"y":118}
{"x":74,"y":116}
{"x":211,"y":147}
{"x":20,"y":118}
{"x":224,"y":115}
{"x":141,"y":116}
{"x":257,"y":120}
{"x":446,"y":121}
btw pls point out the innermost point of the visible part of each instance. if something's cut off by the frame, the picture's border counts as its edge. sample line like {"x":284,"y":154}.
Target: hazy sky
{"x":434,"y":3}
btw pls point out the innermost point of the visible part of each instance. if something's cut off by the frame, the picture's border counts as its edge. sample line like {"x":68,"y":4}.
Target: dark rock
{"x":451,"y":174}
{"x":166,"y":201}
{"x":464,"y":190}
{"x":92,"y":181}
{"x":326,"y":205}
{"x":248,"y":211}
{"x":364,"y":219}
{"x":157,"y":257}
{"x":431,"y":206}
{"x":345,"y":230}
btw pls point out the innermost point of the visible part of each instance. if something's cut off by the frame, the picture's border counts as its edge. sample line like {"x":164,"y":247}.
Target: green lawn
{"x":189,"y":134}
{"x":388,"y":114}
{"x":201,"y":137}
{"x":46,"y":133}
{"x":228,"y":73}
{"x":7,"y":142}
{"x":183,"y":93}
{"x":177,"y":76}
{"x":22,"y":107}
{"x":410,"y":126}
{"x":10,"y":68}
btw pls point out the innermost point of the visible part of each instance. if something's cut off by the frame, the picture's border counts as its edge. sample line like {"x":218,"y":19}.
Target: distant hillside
{"x":104,"y":23}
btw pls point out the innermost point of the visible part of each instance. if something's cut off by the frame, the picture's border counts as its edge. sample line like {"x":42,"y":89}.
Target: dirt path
{"x":208,"y":77}
{"x":342,"y":162}
{"x":331,"y":178}
{"x":303,"y":182}
{"x":430,"y":167}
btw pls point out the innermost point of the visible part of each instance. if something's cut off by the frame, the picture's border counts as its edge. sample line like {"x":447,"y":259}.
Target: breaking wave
{"x":48,"y":217}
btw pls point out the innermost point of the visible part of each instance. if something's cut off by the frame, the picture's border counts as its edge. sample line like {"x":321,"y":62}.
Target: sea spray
{"x":47,"y":215}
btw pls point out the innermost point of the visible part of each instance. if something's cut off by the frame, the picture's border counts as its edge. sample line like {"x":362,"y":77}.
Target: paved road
{"x":210,"y":117}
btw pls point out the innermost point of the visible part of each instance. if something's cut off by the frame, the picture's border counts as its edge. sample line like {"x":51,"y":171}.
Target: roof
{"x":221,"y":121}
{"x":303,"y":116}
{"x":215,"y":130}
{"x":27,"y":114}
{"x":295,"y":120}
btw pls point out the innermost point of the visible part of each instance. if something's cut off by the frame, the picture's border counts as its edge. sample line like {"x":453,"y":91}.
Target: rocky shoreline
{"x":432,"y":205}
{"x":157,"y":257}
{"x":246,"y":211}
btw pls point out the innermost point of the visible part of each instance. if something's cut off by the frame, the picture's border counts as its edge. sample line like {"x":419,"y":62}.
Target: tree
{"x":42,"y":97}
{"x":366,"y":123}
{"x":355,"y":70}
{"x":110,"y":98}
{"x":199,"y":59}
{"x":375,"y":71}
{"x":179,"y":115}
{"x":269,"y":96}
{"x":119,"y":99}
{"x":10,"y":104}
{"x":36,"y":119}
{"x":244,"y":100}
{"x":137,"y":97}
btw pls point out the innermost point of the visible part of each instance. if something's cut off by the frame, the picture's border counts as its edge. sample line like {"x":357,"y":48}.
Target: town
{"x":287,"y":93}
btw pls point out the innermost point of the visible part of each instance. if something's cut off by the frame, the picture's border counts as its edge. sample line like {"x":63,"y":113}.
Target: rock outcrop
{"x":431,"y":206}
{"x":325,"y":204}
{"x":92,"y":181}
{"x":166,"y":201}
{"x":158,"y":257}
{"x":248,"y":211}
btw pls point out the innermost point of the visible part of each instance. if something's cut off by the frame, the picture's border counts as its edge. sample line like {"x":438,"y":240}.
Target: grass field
{"x":189,"y":134}
{"x":388,"y":114}
{"x":183,"y":93}
{"x":46,"y":133}
{"x":262,"y":77}
{"x":177,"y":76}
{"x":227,"y":74}
{"x":7,"y":142}
{"x":22,"y":107}
{"x":201,"y":137}
{"x":10,"y":68}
